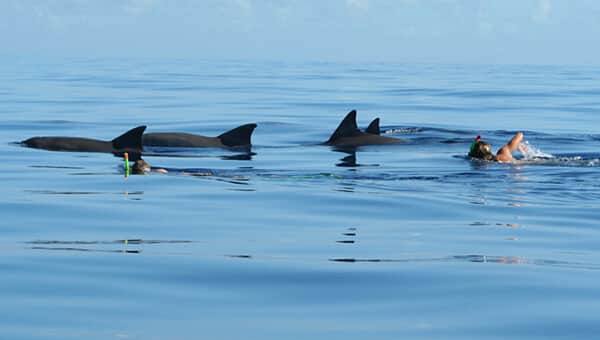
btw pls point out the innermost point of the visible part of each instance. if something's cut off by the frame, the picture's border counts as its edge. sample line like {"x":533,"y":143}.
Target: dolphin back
{"x":240,"y":136}
{"x":130,"y":140}
{"x":68,"y":144}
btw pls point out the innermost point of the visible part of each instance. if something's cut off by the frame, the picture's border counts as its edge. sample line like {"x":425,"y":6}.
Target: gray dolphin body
{"x":130,"y":141}
{"x":348,"y":134}
{"x":238,"y":137}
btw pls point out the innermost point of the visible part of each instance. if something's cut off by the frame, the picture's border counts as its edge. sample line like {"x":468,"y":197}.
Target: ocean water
{"x":297,"y":240}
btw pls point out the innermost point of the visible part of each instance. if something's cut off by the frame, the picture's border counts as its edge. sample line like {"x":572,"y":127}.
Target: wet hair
{"x":141,"y":167}
{"x":482,"y":150}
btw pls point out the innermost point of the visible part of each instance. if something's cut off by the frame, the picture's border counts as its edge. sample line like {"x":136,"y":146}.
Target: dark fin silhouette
{"x":374,"y":127}
{"x":346,"y":128}
{"x":240,"y":136}
{"x":133,"y":156}
{"x":130,"y":140}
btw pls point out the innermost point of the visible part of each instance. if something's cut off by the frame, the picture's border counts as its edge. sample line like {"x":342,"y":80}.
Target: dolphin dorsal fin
{"x":346,"y":128}
{"x":130,"y":140}
{"x":240,"y":136}
{"x":374,"y":127}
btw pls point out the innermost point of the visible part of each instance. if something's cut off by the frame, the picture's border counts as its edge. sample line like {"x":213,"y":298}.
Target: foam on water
{"x":533,"y":155}
{"x":531,"y":152}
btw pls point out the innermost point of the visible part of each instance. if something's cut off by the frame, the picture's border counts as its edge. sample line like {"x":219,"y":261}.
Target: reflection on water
{"x":239,"y":256}
{"x":481,"y":224}
{"x":350,"y":235}
{"x":476,"y":259}
{"x":348,"y":161}
{"x":125,"y":241}
{"x":233,"y":226}
{"x":239,"y":156}
{"x":54,"y":192}
{"x":234,"y":154}
{"x":57,"y":167}
{"x":100,"y":246}
{"x":90,"y":250}
{"x":479,"y":165}
{"x":345,"y":187}
{"x":235,"y":180}
{"x":86,"y":246}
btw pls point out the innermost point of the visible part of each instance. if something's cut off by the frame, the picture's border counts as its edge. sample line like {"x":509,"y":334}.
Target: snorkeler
{"x":141,"y":167}
{"x":483,"y":150}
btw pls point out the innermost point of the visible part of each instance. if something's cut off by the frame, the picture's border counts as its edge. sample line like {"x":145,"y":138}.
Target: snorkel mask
{"x":141,"y":167}
{"x":474,"y":144}
{"x":481,"y":150}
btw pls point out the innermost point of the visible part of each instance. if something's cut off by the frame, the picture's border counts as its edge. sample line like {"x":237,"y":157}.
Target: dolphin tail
{"x":374,"y":127}
{"x":347,"y":127}
{"x":240,"y":136}
{"x":130,"y":140}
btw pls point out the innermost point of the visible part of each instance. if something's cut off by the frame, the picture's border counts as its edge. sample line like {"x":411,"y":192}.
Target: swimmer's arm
{"x":505,"y":152}
{"x":514,"y":142}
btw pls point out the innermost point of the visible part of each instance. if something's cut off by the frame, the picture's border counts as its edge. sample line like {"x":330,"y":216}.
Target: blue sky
{"x":446,"y":31}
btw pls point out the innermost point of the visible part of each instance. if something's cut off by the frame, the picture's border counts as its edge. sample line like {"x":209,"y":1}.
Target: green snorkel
{"x":126,"y":157}
{"x":474,"y":144}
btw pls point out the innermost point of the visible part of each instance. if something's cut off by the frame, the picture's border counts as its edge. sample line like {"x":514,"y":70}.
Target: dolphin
{"x":130,"y":141}
{"x":348,"y":134}
{"x":238,"y":137}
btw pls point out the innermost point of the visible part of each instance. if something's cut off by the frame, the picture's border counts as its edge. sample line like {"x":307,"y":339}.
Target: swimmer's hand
{"x":523,"y":148}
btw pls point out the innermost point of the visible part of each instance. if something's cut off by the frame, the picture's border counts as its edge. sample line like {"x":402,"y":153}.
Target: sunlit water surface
{"x":299,"y":240}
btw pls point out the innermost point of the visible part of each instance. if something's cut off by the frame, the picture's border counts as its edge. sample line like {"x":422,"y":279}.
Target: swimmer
{"x":483,"y":150}
{"x":141,"y":167}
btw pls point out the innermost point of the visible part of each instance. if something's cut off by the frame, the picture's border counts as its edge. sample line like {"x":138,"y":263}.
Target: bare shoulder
{"x":504,"y":154}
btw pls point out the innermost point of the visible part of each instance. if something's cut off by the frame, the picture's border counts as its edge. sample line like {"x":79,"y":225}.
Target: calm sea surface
{"x":299,"y":240}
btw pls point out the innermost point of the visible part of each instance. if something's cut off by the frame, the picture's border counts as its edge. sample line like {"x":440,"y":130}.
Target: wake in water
{"x":534,"y":155}
{"x":531,"y":152}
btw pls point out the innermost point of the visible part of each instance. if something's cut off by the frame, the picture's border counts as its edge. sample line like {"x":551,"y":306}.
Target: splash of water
{"x":531,"y":152}
{"x":404,"y":130}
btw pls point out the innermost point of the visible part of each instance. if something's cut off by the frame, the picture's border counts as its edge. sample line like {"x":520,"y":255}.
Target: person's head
{"x":141,"y":167}
{"x":481,"y":150}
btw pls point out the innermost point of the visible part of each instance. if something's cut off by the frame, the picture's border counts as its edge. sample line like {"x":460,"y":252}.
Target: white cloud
{"x":542,"y":11}
{"x":284,"y":13}
{"x":138,"y":6}
{"x":358,"y":4}
{"x":235,"y":8}
{"x":484,"y":20}
{"x":244,"y":5}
